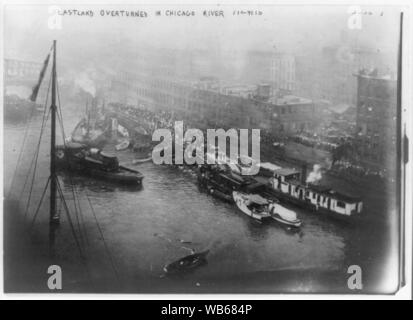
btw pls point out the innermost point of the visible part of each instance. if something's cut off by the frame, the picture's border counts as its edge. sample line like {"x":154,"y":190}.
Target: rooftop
{"x":285,"y":171}
{"x":291,"y":100}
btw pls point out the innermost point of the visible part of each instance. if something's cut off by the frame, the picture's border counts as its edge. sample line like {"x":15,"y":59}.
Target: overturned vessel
{"x":95,"y":137}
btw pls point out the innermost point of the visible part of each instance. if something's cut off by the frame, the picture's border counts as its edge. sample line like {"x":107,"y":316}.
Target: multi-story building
{"x":376,"y":117}
{"x":282,"y":74}
{"x":210,"y":106}
{"x":273,"y":67}
{"x":328,"y":74}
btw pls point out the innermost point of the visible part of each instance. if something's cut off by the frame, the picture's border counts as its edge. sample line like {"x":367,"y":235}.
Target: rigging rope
{"x":112,"y":262}
{"x":34,"y":169}
{"x":44,"y":120}
{"x":73,"y":230}
{"x":78,"y":210}
{"x":34,"y":174}
{"x":40,"y":203}
{"x":20,"y":152}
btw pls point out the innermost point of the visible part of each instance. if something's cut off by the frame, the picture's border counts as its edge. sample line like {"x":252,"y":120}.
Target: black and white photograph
{"x":221,"y":148}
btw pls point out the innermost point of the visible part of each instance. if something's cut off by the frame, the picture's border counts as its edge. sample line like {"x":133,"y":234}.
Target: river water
{"x":142,"y":230}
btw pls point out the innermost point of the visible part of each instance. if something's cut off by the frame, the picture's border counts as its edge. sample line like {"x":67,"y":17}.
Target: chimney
{"x":303,"y":174}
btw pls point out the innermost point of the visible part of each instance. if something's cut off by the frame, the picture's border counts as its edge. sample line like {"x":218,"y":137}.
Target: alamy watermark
{"x":190,"y":147}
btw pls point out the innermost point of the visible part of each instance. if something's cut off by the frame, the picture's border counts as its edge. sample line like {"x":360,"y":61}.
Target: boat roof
{"x":286,"y":171}
{"x":107,"y":154}
{"x":237,"y":177}
{"x":334,"y":194}
{"x":319,"y":188}
{"x":295,"y":182}
{"x":254,"y":186}
{"x":231,"y":178}
{"x":269,"y":166}
{"x":344,"y":197}
{"x":257,"y":199}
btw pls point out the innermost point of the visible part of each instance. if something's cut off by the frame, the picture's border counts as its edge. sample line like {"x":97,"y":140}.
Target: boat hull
{"x":122,"y":175}
{"x":220,"y":195}
{"x":296,"y":223}
{"x":186,"y":264}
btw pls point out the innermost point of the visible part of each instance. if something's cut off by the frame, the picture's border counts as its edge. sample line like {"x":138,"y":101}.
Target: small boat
{"x":93,"y":162}
{"x":123,"y":145}
{"x":186,"y":264}
{"x":137,"y":161}
{"x":252,"y":205}
{"x":284,"y":215}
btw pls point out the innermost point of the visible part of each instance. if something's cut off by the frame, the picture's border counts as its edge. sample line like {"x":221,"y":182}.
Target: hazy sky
{"x":107,"y":41}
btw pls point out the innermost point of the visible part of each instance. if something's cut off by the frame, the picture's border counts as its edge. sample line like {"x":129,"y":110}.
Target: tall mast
{"x":54,"y":218}
{"x":88,"y":118}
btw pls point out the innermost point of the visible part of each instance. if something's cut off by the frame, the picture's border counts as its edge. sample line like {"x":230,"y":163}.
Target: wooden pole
{"x":53,"y":218}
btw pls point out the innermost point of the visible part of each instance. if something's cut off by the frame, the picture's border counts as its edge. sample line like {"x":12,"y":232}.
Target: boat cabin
{"x":267,"y":169}
{"x":286,"y":174}
{"x":287,"y":182}
{"x":104,"y":160}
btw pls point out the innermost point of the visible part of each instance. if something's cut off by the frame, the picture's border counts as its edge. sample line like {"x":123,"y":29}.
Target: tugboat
{"x":252,"y":205}
{"x":93,"y":162}
{"x":186,"y":264}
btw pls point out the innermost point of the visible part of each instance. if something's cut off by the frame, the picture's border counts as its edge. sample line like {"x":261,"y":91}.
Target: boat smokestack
{"x":304,"y":174}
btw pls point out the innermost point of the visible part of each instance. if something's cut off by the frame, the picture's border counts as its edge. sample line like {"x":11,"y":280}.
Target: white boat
{"x":123,"y":145}
{"x":284,"y":215}
{"x":252,"y":205}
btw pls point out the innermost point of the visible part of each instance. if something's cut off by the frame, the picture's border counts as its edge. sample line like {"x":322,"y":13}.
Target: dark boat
{"x":215,"y":192}
{"x":187,"y":264}
{"x":95,"y":163}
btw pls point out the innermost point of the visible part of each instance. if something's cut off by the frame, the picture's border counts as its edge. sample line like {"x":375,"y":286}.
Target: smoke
{"x":85,"y":82}
{"x":315,"y":175}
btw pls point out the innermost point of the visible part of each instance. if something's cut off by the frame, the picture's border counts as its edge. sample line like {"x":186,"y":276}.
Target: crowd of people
{"x":346,"y":168}
{"x":151,"y":120}
{"x":314,"y":142}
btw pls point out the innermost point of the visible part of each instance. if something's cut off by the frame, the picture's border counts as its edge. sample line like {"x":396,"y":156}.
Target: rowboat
{"x":283,"y":215}
{"x":252,"y":205}
{"x":187,"y":263}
